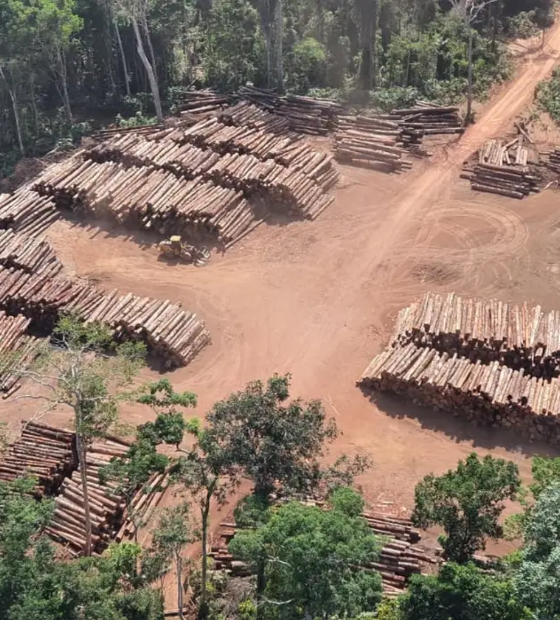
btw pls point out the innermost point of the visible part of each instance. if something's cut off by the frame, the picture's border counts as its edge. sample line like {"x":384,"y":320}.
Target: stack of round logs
{"x":509,"y":181}
{"x":31,"y":254}
{"x":17,"y":351}
{"x":308,"y":115}
{"x":493,"y":363}
{"x":430,"y":119}
{"x":399,"y":558}
{"x":372,"y":142}
{"x":168,"y":330}
{"x":521,"y":337}
{"x":26,"y":212}
{"x":553,"y":159}
{"x":203,"y":101}
{"x":44,"y":452}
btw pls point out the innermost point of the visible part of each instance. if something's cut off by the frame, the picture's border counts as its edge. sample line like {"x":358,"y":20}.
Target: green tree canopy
{"x":313,"y":559}
{"x":467,"y":503}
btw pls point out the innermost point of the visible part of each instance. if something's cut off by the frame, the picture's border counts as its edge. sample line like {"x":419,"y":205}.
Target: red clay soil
{"x":317,"y":299}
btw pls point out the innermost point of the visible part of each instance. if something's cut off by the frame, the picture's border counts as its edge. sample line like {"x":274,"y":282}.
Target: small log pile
{"x":554,"y":160}
{"x":486,"y":394}
{"x":31,"y":254}
{"x":17,"y":351}
{"x":263,"y":97}
{"x":169,"y":331}
{"x":202,"y":102}
{"x":399,"y":559}
{"x":42,"y":451}
{"x":370,"y":142}
{"x":430,"y":119}
{"x":106,"y":506}
{"x":512,"y":153}
{"x":308,"y":115}
{"x":509,"y":181}
{"x":517,"y":336}
{"x":26,"y":212}
{"x":250,"y":115}
{"x":143,"y":130}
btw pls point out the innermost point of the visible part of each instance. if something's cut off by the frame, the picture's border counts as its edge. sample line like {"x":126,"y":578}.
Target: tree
{"x":538,"y":578}
{"x":80,"y":375}
{"x":461,"y":592}
{"x":469,"y":11}
{"x":367,"y":13}
{"x":173,"y":533}
{"x":313,"y":559}
{"x":467,"y":503}
{"x":207,"y":475}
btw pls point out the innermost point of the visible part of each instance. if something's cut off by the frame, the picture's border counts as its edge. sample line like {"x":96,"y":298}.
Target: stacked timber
{"x":17,"y":351}
{"x":106,"y":505}
{"x":109,"y":132}
{"x":203,"y":102}
{"x":486,"y":394}
{"x":400,"y":557}
{"x":554,"y":159}
{"x":250,"y":115}
{"x":512,"y":153}
{"x":263,"y":97}
{"x":31,"y":254}
{"x":509,"y":181}
{"x":168,"y":330}
{"x":26,"y":212}
{"x":520,"y":337}
{"x":43,"y":452}
{"x":308,"y":115}
{"x":370,"y":142}
{"x":430,"y":119}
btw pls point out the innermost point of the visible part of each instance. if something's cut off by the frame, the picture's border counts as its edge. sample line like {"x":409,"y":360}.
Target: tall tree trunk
{"x":375,"y":7}
{"x":13,"y":99}
{"x":278,"y":29}
{"x":470,"y":75}
{"x":179,"y":563}
{"x":82,"y":454}
{"x":149,"y":70}
{"x":203,"y":609}
{"x":320,"y":8}
{"x":150,"y":46}
{"x":123,"y":58}
{"x":64,"y":85}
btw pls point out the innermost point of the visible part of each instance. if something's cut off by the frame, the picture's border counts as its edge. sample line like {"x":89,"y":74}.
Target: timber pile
{"x":399,"y":559}
{"x":168,"y":330}
{"x":489,"y":395}
{"x":263,"y":97}
{"x":308,"y":115}
{"x":42,"y":451}
{"x":430,"y":119}
{"x":106,"y":506}
{"x":250,"y":115}
{"x":554,"y":159}
{"x":26,"y":212}
{"x":512,"y":153}
{"x":30,"y":254}
{"x":109,"y":132}
{"x":148,"y":199}
{"x":202,"y":102}
{"x":372,"y":142}
{"x":509,"y":181}
{"x":517,"y":336}
{"x":17,"y":351}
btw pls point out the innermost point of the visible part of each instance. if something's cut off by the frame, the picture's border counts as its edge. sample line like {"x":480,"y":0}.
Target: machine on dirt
{"x":175,"y":248}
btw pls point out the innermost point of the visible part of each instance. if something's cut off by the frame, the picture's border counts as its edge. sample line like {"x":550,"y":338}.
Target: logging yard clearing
{"x":320,"y":298}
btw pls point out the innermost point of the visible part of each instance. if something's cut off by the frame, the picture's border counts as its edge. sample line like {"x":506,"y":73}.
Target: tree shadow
{"x":456,"y":428}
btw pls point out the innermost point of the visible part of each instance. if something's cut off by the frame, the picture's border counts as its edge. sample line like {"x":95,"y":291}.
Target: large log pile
{"x":147,"y":198}
{"x":430,"y":119}
{"x":17,"y":351}
{"x":308,"y":115}
{"x":169,"y":331}
{"x":202,"y":101}
{"x":26,"y":212}
{"x":31,"y":254}
{"x":400,"y":557}
{"x":373,"y":142}
{"x":43,"y":452}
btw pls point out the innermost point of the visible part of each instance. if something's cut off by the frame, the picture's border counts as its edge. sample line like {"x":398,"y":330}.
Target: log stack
{"x":169,"y":331}
{"x":44,"y":452}
{"x":30,"y":254}
{"x":554,"y":160}
{"x":205,"y":102}
{"x":509,"y":181}
{"x":17,"y":351}
{"x":494,"y":363}
{"x":263,"y":97}
{"x":26,"y":212}
{"x":430,"y":119}
{"x":400,"y":557}
{"x":371,"y":142}
{"x":308,"y":115}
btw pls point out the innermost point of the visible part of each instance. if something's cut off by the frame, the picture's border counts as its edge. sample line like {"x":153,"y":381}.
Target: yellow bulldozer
{"x":175,"y":248}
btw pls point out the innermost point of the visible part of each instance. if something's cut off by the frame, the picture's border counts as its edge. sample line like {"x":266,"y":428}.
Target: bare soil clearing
{"x":317,"y":299}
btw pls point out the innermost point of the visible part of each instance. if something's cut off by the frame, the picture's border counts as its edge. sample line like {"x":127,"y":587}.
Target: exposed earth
{"x":317,"y":299}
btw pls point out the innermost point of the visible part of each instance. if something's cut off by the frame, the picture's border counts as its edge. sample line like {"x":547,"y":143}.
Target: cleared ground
{"x":317,"y":299}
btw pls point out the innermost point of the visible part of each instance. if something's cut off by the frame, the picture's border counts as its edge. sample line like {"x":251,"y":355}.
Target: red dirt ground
{"x":317,"y":299}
